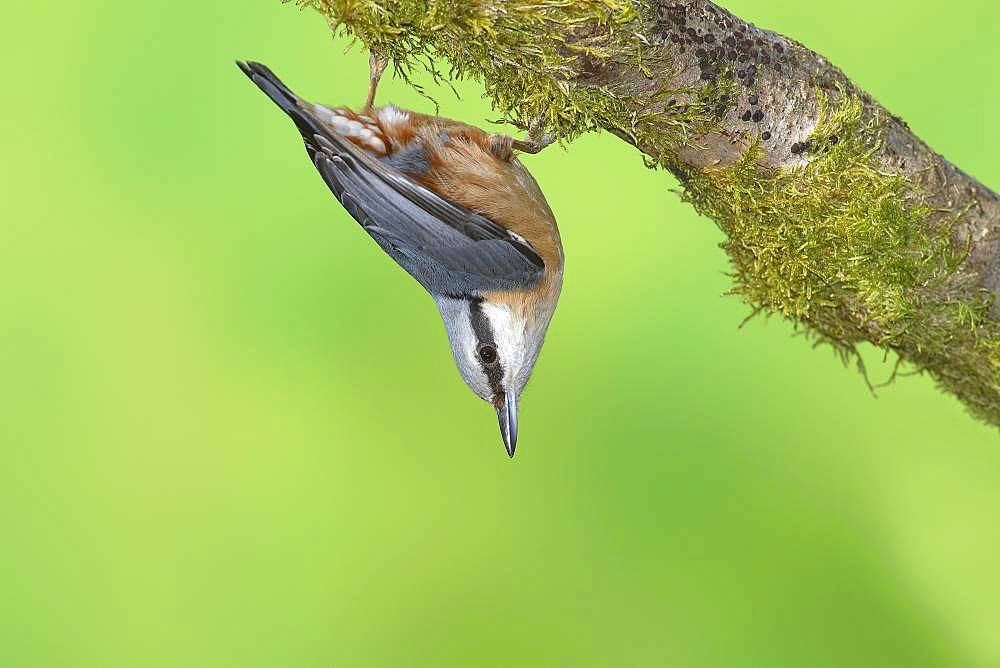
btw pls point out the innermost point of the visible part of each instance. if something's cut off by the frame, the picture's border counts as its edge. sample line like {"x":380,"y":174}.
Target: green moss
{"x":526,"y":54}
{"x":802,"y":238}
{"x":853,"y":255}
{"x":474,"y":37}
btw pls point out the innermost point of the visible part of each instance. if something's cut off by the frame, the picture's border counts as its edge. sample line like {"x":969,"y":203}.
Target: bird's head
{"x":495,"y":343}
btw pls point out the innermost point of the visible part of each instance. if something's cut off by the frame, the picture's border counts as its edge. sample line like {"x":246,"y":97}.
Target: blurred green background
{"x":232,"y":433}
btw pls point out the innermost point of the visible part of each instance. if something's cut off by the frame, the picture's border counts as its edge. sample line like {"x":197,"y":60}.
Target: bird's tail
{"x":289,"y":102}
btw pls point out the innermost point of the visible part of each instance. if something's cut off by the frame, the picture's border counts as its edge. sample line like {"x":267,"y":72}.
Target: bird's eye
{"x":488,"y":353}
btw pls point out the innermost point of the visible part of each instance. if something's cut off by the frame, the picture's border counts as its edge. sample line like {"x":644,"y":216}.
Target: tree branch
{"x":837,"y":216}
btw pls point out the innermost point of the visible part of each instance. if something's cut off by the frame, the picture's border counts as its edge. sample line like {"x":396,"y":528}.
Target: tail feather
{"x":289,"y":102}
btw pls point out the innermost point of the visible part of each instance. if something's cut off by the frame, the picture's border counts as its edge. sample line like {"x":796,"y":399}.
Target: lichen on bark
{"x":836,"y":216}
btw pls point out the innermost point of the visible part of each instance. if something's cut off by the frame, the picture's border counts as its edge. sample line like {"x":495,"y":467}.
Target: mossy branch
{"x":836,"y":215}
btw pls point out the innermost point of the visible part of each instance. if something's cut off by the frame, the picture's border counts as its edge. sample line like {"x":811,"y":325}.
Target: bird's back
{"x":459,"y":162}
{"x":508,"y":244}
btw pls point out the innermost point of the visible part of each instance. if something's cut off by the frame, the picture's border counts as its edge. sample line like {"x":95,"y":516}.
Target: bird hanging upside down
{"x":456,"y":209}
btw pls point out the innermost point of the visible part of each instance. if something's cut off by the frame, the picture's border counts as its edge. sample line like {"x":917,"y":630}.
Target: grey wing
{"x":447,"y":248}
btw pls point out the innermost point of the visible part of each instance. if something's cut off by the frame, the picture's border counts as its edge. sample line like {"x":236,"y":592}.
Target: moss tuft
{"x":848,"y":251}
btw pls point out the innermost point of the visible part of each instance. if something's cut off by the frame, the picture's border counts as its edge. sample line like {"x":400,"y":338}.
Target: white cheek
{"x":508,"y":334}
{"x":474,"y":375}
{"x":455,"y":313}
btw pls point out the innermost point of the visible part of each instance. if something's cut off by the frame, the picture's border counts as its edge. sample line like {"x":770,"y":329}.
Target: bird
{"x":454,"y":206}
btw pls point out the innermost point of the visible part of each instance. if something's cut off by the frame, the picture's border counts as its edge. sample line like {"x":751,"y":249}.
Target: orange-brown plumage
{"x":472,"y":168}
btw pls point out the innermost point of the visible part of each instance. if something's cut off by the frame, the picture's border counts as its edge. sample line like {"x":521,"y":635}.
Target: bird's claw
{"x":537,"y":139}
{"x":503,"y":146}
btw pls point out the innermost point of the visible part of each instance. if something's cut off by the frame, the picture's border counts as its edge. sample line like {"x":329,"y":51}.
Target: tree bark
{"x":837,"y":216}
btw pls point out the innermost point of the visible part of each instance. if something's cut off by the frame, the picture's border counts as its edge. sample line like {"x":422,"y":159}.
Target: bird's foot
{"x":376,"y":66}
{"x":537,"y":139}
{"x":503,"y":146}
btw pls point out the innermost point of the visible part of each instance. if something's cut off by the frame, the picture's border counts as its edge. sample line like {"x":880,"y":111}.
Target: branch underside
{"x":836,"y":215}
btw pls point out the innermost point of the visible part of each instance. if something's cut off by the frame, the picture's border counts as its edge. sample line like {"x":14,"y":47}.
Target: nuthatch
{"x":459,"y":212}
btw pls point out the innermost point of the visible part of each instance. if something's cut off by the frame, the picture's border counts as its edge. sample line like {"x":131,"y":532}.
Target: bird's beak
{"x":507,"y":414}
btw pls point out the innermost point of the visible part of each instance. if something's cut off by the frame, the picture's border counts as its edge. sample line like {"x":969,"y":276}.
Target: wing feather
{"x":447,"y":248}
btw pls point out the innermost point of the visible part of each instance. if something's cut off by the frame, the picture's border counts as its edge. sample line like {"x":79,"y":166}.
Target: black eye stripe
{"x":484,"y":334}
{"x":480,"y":323}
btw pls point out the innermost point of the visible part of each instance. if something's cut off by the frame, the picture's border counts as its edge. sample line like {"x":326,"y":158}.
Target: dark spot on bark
{"x":766,"y":136}
{"x":758,"y":116}
{"x":746,"y":115}
{"x":753,"y":100}
{"x":834,"y":139}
